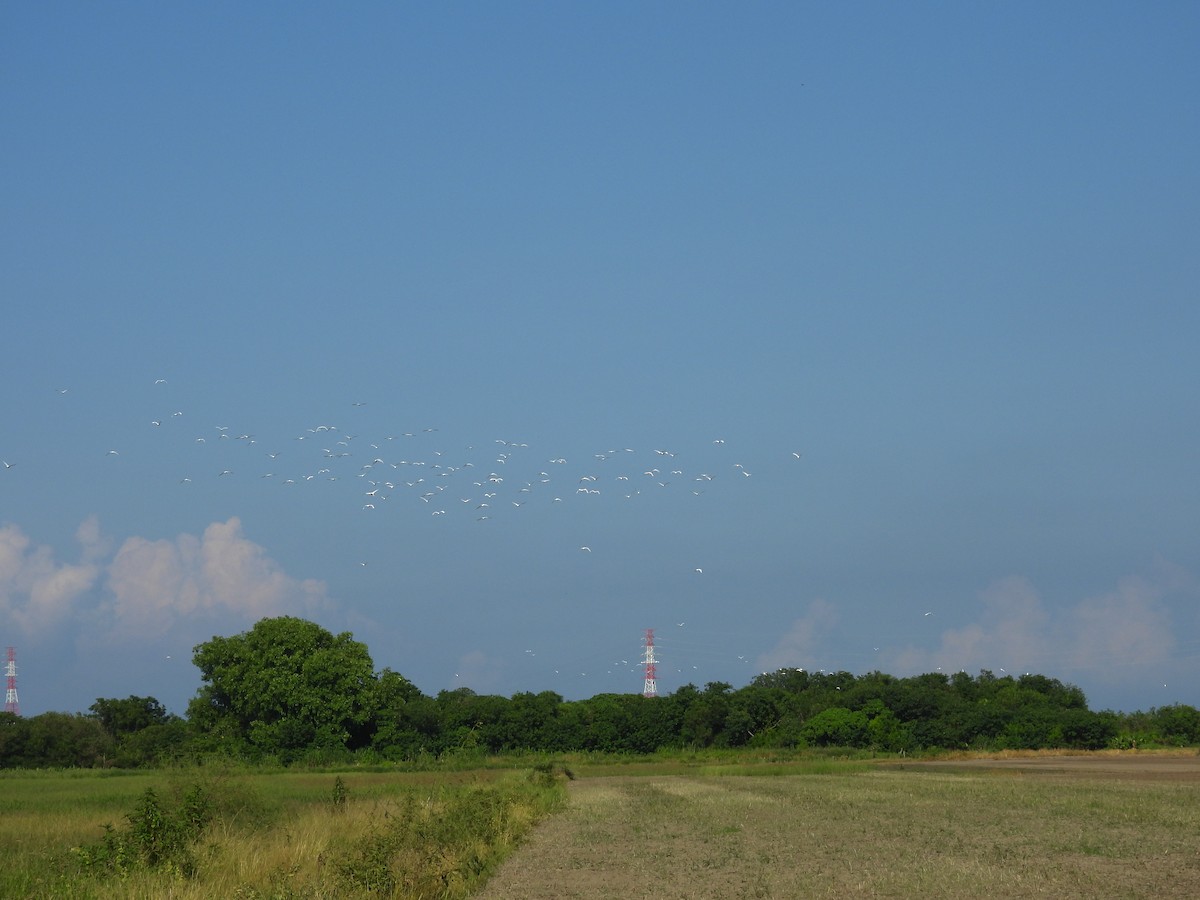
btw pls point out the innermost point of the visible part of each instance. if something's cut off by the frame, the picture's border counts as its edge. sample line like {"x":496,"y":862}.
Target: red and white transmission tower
{"x":651,"y":687}
{"x":10,"y":695}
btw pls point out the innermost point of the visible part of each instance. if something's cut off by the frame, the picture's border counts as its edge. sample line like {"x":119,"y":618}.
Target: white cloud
{"x":1013,"y":632}
{"x":37,"y":593}
{"x":1125,"y":628}
{"x":151,"y":585}
{"x":156,"y":583}
{"x":95,"y":545}
{"x":804,"y":641}
{"x":114,"y":621}
{"x":1103,"y":640}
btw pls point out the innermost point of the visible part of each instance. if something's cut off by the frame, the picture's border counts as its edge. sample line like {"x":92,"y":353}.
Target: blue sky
{"x":377,"y":265}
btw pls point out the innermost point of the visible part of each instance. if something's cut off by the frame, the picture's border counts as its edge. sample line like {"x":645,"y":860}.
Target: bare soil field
{"x":1183,"y":766}
{"x":1088,"y":826}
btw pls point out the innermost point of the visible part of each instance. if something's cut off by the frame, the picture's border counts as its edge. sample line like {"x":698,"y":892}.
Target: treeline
{"x":288,"y":691}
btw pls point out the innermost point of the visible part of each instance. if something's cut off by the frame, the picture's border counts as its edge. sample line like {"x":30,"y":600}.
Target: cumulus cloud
{"x":148,"y":586}
{"x":804,"y":641}
{"x":155,"y":583}
{"x":94,"y":544}
{"x":1013,"y":631}
{"x":1130,"y":626}
{"x":1103,"y":640}
{"x":36,"y":592}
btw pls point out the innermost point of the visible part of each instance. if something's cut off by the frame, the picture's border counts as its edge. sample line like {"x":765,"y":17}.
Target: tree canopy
{"x":288,"y":689}
{"x":285,"y":686}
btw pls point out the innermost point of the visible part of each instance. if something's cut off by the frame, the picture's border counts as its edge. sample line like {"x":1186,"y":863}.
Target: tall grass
{"x":279,"y":836}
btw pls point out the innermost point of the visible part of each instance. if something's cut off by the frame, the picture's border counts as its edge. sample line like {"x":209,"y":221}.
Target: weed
{"x":157,"y":838}
{"x":442,"y":844}
{"x":341,"y":796}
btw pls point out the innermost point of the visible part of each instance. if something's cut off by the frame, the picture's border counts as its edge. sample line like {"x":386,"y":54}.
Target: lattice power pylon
{"x":648,"y":660}
{"x":10,"y":694}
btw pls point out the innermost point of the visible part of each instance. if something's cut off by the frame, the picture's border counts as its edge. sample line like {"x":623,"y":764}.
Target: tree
{"x":704,"y":722}
{"x":53,"y":739}
{"x":837,"y":727}
{"x":283,"y":687}
{"x":14,"y":740}
{"x":530,"y":720}
{"x":1178,"y":724}
{"x":152,"y":745}
{"x":409,"y":728}
{"x":126,"y":716}
{"x":754,"y":713}
{"x":406,"y":721}
{"x":141,"y":726}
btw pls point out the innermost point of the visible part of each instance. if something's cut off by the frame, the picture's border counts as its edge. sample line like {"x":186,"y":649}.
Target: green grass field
{"x":673,"y":826}
{"x":276,"y":835}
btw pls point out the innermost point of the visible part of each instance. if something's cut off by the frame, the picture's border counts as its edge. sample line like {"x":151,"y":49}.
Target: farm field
{"x":199,"y":833}
{"x":1034,"y":826}
{"x":708,"y":826}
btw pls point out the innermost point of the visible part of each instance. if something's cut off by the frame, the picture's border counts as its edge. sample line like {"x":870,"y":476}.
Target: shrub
{"x":444,"y":844}
{"x":158,"y":837}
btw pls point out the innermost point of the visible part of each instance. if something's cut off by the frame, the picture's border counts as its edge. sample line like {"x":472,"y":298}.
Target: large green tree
{"x":284,"y":687}
{"x":143,"y":731}
{"x":129,"y":715}
{"x":53,"y":739}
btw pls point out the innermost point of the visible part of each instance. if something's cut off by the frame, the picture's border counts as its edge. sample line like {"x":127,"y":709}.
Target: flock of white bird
{"x":418,"y":471}
{"x":423,"y":472}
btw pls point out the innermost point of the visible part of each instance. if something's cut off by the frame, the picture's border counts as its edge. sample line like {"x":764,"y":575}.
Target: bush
{"x":444,"y":844}
{"x":157,"y":838}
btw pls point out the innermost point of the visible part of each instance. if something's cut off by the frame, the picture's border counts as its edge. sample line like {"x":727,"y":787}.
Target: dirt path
{"x":1183,"y":766}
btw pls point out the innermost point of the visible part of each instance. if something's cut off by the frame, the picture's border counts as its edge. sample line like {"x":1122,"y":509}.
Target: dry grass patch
{"x":885,"y":833}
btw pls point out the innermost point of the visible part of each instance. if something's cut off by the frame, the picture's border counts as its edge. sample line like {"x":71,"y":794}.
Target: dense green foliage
{"x":284,"y":687}
{"x":222,"y":829}
{"x":289,"y":691}
{"x":446,"y":844}
{"x":158,"y":836}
